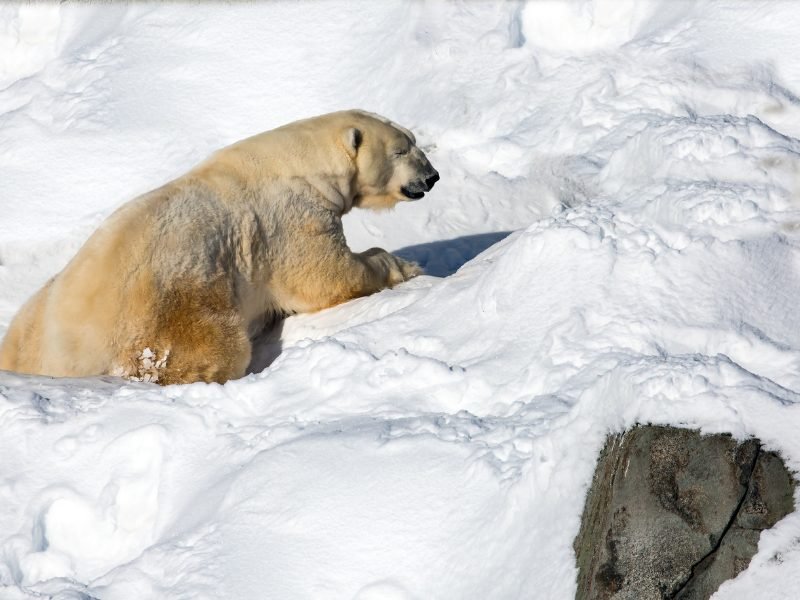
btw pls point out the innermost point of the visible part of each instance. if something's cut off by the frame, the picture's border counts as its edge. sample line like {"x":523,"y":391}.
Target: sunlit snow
{"x":615,"y":239}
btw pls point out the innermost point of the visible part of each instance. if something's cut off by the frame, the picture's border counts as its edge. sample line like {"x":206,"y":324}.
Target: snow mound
{"x":588,"y":25}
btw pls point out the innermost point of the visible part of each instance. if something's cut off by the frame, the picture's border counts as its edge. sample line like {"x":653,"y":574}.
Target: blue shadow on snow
{"x":445,"y":257}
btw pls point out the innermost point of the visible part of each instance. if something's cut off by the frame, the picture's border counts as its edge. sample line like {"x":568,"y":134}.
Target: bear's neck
{"x":260,"y":161}
{"x":335,"y":192}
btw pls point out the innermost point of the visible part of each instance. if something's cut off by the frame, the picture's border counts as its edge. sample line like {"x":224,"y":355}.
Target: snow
{"x":615,"y":239}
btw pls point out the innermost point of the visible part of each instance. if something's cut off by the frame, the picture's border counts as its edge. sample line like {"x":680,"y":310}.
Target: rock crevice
{"x":708,"y":559}
{"x":672,"y":514}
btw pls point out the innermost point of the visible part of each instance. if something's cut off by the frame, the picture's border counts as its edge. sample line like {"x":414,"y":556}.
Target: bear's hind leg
{"x":215,"y":355}
{"x":198,"y":336}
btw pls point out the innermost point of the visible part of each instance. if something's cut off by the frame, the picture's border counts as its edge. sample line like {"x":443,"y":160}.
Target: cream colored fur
{"x":174,"y":284}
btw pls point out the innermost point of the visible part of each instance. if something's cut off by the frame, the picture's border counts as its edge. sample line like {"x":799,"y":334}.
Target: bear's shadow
{"x":439,"y":259}
{"x":445,"y":257}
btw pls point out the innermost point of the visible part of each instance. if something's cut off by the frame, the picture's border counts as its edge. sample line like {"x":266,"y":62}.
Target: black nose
{"x":432,"y":179}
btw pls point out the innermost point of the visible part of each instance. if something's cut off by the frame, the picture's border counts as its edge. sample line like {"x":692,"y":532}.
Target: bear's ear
{"x":352,"y":140}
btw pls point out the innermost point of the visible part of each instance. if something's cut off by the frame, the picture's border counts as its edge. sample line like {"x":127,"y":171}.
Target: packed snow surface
{"x":615,"y":239}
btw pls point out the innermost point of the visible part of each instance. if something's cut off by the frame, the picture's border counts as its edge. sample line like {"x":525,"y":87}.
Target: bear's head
{"x":389,"y":166}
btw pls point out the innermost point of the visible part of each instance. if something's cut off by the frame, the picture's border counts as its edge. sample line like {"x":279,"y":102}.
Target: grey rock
{"x":673,"y":514}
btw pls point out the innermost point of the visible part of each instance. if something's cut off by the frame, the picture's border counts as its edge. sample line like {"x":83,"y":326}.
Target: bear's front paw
{"x":393,"y":269}
{"x":410,"y":269}
{"x":403,"y":270}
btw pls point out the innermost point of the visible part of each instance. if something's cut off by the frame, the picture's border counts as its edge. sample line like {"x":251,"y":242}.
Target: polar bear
{"x":174,"y":285}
